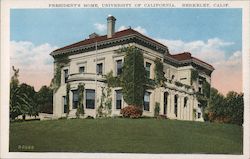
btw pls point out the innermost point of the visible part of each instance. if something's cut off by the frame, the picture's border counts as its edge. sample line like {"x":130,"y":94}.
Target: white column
{"x":70,"y":100}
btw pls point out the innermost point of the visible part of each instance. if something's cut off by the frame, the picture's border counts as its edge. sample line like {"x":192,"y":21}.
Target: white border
{"x":5,"y":74}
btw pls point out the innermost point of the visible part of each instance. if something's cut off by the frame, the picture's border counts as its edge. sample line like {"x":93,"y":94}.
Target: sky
{"x":212,"y":35}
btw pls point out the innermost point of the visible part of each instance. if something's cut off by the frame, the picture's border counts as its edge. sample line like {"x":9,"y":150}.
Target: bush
{"x":131,"y":112}
{"x":157,"y":109}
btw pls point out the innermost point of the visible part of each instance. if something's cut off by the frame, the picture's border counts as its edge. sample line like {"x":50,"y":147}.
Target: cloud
{"x":100,"y":27}
{"x":228,"y":70}
{"x":141,"y":30}
{"x":138,"y":28}
{"x":34,"y":62}
{"x":122,"y":28}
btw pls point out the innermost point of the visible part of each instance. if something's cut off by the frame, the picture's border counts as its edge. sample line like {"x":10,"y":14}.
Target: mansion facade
{"x":88,"y":62}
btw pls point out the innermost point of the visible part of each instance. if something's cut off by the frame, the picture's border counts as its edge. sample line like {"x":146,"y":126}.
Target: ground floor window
{"x":165,"y":103}
{"x":175,"y":105}
{"x":118,"y":104}
{"x":75,"y":98}
{"x":185,"y":101}
{"x":90,"y":98}
{"x":199,"y":115}
{"x":65,"y":108}
{"x":146,"y":101}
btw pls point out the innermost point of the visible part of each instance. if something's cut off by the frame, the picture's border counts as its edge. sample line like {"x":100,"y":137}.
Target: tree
{"x":19,"y":101}
{"x":216,"y":107}
{"x":234,"y":107}
{"x":227,"y":109}
{"x":133,"y":77}
{"x":44,"y":99}
{"x":30,"y":92}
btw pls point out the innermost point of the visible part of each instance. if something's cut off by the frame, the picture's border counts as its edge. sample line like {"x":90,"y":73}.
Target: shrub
{"x":157,"y":109}
{"x":131,"y":112}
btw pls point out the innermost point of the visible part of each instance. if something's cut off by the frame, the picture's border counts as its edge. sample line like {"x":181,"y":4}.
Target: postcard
{"x":126,"y":79}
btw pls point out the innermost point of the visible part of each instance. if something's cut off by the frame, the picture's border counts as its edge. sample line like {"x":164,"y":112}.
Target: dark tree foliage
{"x":206,"y":89}
{"x":216,"y":105}
{"x":133,"y":77}
{"x":194,"y":76}
{"x":234,"y":107}
{"x":44,"y":99}
{"x":30,"y":93}
{"x":22,"y":101}
{"x":227,"y":109}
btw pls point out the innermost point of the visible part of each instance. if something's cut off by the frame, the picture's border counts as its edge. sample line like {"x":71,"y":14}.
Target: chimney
{"x":110,"y":26}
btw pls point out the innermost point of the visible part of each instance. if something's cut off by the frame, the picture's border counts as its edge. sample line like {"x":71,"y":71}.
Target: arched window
{"x":175,"y":105}
{"x":185,"y":101}
{"x":165,"y":103}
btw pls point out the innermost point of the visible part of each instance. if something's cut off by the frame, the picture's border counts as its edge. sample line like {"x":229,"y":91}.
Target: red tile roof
{"x":182,"y":56}
{"x":188,"y":56}
{"x":104,"y":38}
{"x":179,"y":57}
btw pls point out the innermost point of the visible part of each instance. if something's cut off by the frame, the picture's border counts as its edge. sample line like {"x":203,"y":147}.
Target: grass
{"x":125,"y":135}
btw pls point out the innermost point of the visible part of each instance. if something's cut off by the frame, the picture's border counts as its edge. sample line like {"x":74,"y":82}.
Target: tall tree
{"x":227,"y":109}
{"x":30,"y":92}
{"x":216,"y":107}
{"x":235,"y":107}
{"x":19,"y":101}
{"x":133,"y":77}
{"x":44,"y":99}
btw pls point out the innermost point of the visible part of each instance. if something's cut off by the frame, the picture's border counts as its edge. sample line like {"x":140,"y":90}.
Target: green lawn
{"x":125,"y":135}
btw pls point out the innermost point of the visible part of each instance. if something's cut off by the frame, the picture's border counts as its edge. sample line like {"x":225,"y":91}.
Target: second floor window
{"x":99,"y":68}
{"x":66,"y":75}
{"x":81,"y":69}
{"x":118,"y":67}
{"x":148,"y":65}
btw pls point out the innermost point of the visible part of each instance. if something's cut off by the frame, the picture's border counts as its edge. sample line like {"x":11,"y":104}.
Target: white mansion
{"x":89,"y":60}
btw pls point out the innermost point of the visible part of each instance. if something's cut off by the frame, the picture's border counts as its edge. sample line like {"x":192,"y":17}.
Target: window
{"x":200,"y":90}
{"x":66,"y":75}
{"x":175,"y":105}
{"x":165,"y":103}
{"x":146,"y":101}
{"x":200,"y":82}
{"x":199,"y":115}
{"x":148,"y":65}
{"x":118,"y":104}
{"x":65,"y":108}
{"x":90,"y":98}
{"x":199,"y":105}
{"x":99,"y":68}
{"x":118,"y":67}
{"x":75,"y":99}
{"x":81,"y":69}
{"x":172,"y":77}
{"x":185,"y":101}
